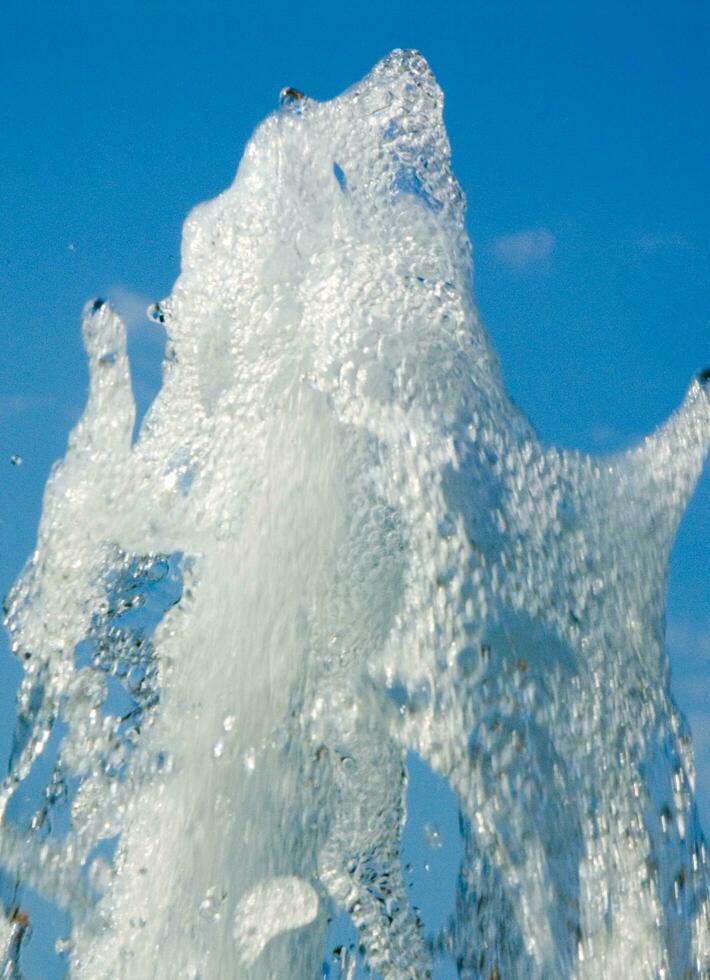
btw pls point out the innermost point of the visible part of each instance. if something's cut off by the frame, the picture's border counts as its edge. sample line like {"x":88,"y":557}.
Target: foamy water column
{"x":336,"y":541}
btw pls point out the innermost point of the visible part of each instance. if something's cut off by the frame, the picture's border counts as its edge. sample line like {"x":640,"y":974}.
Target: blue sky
{"x":579,"y":132}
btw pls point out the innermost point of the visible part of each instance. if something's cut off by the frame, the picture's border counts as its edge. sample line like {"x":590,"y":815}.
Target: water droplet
{"x":20,"y":917}
{"x":250,"y":760}
{"x":211,"y":904}
{"x":218,"y":748}
{"x":229,"y":723}
{"x":432,"y":836}
{"x":291,"y":99}
{"x":16,"y":460}
{"x":72,"y":247}
{"x":135,"y":677}
{"x":666,"y":817}
{"x":100,"y":874}
{"x":155,"y":313}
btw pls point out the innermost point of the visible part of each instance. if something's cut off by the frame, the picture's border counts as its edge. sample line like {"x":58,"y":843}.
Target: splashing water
{"x":336,"y":545}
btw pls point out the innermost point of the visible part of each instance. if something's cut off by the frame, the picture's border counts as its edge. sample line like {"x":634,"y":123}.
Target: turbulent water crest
{"x":335,"y":544}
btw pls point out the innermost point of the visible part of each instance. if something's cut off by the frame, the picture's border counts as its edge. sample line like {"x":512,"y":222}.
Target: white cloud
{"x":15,"y":403}
{"x":525,"y":250}
{"x":656,"y":243}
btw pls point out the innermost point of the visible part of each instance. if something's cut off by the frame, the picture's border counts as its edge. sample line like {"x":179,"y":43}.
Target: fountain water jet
{"x":335,"y":541}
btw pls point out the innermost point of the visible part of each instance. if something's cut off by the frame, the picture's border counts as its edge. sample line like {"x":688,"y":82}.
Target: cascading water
{"x":335,"y":545}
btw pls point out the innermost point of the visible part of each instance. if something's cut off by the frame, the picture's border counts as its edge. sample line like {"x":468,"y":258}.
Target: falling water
{"x":336,"y":553}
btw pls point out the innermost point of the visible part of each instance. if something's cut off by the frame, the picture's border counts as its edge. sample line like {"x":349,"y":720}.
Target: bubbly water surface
{"x":335,"y":553}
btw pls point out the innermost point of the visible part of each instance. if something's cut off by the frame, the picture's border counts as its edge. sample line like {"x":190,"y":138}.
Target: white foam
{"x":272,"y":907}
